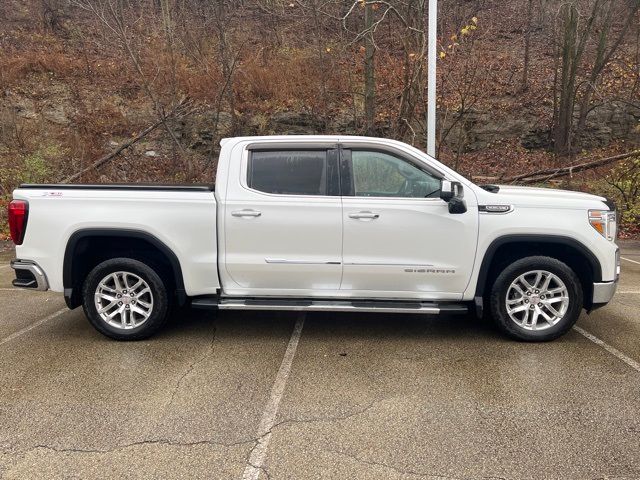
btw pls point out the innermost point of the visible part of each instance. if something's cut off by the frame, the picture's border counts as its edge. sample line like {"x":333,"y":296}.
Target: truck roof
{"x":303,"y":138}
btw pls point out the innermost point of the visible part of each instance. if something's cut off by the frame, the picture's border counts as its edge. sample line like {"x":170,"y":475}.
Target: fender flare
{"x":531,"y":238}
{"x":72,"y":294}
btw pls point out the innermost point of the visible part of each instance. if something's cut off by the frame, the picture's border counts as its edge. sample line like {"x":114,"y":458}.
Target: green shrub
{"x":623,"y":186}
{"x":35,"y":167}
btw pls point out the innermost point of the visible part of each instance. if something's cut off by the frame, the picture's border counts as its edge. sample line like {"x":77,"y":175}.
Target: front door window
{"x":379,"y":174}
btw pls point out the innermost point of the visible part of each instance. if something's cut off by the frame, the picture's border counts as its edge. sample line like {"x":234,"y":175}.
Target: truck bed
{"x":180,"y":217}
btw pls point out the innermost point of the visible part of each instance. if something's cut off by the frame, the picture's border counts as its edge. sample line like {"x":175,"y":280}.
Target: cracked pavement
{"x":368,"y":396}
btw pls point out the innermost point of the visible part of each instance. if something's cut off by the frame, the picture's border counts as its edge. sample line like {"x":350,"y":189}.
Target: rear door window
{"x":291,"y":172}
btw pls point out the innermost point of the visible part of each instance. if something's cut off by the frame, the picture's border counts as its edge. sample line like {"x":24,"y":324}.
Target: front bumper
{"x":29,"y":275}
{"x":603,"y":292}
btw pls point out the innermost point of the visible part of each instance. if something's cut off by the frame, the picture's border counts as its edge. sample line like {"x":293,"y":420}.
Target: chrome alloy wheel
{"x":537,"y":300}
{"x":124,"y":300}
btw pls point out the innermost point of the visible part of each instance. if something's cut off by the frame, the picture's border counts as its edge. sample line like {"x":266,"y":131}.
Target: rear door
{"x":399,"y":238}
{"x":283,"y":223}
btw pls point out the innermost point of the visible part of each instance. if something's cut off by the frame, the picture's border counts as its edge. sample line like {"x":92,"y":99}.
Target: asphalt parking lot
{"x":286,"y":396}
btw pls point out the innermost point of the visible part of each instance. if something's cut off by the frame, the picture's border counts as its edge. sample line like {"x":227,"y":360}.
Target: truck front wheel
{"x":536,"y":299}
{"x":125,"y":299}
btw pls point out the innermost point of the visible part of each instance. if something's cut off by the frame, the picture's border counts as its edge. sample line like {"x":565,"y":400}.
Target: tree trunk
{"x":317,"y":31}
{"x":527,"y":46}
{"x":562,"y":134}
{"x":572,"y":49}
{"x":369,"y":71}
{"x":227,"y":61}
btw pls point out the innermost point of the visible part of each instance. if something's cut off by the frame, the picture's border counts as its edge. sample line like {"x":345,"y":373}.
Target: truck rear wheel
{"x":536,"y":299}
{"x":125,"y":299}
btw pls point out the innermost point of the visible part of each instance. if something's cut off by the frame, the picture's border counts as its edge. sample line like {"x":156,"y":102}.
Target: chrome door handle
{"x":246,"y":213}
{"x":364,"y":215}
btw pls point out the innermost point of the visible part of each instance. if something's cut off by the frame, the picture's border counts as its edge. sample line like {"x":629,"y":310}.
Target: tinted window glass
{"x":377,"y":174}
{"x":288,"y":172}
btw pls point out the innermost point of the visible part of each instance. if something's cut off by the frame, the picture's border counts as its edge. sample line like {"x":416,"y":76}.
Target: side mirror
{"x":457,"y":205}
{"x":447,"y":190}
{"x":452,"y":193}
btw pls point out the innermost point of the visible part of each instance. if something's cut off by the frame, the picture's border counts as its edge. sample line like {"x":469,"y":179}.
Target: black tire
{"x":159,"y":311}
{"x":511,"y":273}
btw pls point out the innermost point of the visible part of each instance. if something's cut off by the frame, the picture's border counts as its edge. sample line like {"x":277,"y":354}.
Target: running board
{"x":428,"y":308}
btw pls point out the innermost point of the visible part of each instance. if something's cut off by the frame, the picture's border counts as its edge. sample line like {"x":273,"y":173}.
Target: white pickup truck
{"x":319,"y":223}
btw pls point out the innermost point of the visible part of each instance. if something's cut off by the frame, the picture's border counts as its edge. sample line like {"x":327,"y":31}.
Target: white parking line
{"x":613,"y":351}
{"x":16,"y":289}
{"x":32,"y":326}
{"x":27,"y":290}
{"x":259,"y":451}
{"x":629,"y":260}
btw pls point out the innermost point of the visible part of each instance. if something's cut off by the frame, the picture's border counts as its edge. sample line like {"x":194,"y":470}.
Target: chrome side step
{"x":427,"y":308}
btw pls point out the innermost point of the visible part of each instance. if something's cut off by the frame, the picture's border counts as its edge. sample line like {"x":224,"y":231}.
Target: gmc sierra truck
{"x":319,"y":223}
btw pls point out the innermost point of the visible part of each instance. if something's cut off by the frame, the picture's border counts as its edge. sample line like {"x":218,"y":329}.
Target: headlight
{"x":604,"y":221}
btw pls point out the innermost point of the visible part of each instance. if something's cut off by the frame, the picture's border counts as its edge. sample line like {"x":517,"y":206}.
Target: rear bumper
{"x":29,"y":275}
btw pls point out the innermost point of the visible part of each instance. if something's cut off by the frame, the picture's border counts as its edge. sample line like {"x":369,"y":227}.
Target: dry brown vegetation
{"x":523,"y":84}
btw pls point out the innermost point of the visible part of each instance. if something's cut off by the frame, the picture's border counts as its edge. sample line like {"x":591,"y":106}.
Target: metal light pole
{"x":431,"y":77}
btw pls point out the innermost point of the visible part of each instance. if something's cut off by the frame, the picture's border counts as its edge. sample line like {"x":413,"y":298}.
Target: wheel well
{"x":568,"y":251}
{"x":87,"y":249}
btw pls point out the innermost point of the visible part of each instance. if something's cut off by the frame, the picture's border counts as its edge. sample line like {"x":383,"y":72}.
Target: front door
{"x":283,"y":224}
{"x":399,"y":238}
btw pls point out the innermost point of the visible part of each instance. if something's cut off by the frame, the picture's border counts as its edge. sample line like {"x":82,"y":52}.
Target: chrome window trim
{"x":244,"y":171}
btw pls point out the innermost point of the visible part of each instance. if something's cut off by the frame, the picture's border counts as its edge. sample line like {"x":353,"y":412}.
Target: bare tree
{"x":571,"y":53}
{"x":369,"y":70}
{"x":576,"y":32}
{"x":119,"y":17}
{"x":227,"y":57}
{"x":204,"y":32}
{"x":604,"y":53}
{"x":407,"y":17}
{"x":414,"y":53}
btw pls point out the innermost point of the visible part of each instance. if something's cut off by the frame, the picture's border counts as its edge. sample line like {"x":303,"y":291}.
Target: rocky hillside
{"x":81,"y":78}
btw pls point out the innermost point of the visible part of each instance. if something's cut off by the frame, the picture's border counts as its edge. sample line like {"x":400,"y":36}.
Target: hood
{"x":547,"y":196}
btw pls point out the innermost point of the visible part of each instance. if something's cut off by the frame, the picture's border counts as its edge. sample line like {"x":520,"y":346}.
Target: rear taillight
{"x":18,"y":213}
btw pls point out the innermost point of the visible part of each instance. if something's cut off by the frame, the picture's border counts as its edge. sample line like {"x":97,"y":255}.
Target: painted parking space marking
{"x":612,"y":350}
{"x":24,"y":330}
{"x":16,"y":289}
{"x":259,"y":451}
{"x":28,"y":290}
{"x":629,"y":260}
